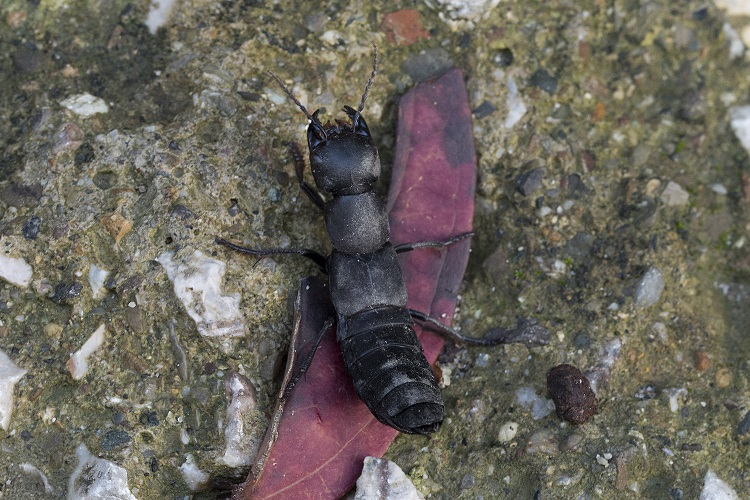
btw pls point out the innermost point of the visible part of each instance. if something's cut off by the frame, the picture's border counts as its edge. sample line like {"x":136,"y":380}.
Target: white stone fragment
{"x":739,"y":118}
{"x":78,"y":364}
{"x":468,"y":9}
{"x":10,"y":374}
{"x":674,"y":396}
{"x":540,"y":406}
{"x":507,"y":432}
{"x":674,"y":195}
{"x":97,"y":277}
{"x":85,"y":104}
{"x":735,"y":7}
{"x":197,"y":283}
{"x":745,"y":35}
{"x":649,"y":288}
{"x":158,"y":14}
{"x":736,"y":47}
{"x":716,"y":489}
{"x":242,"y":440}
{"x":382,"y":479}
{"x":330,"y":37}
{"x":445,"y":380}
{"x":97,"y":479}
{"x":608,"y":355}
{"x":516,"y":106}
{"x":29,"y":469}
{"x":195,"y":478}
{"x":15,"y":271}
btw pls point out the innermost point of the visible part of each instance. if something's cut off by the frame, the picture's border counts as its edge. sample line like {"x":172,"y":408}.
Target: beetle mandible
{"x":381,"y":351}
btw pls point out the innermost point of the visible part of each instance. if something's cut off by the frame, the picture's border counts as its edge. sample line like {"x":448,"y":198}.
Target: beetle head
{"x":342,"y":155}
{"x":343,"y":158}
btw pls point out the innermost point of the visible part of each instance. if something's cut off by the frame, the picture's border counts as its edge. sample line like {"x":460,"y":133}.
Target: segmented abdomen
{"x":390,"y":373}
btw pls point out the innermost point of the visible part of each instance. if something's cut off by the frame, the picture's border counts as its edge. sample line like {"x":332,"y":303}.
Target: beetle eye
{"x":360,"y":128}
{"x":316,"y":134}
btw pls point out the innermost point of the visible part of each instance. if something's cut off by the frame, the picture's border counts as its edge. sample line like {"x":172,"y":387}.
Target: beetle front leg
{"x":299,"y":168}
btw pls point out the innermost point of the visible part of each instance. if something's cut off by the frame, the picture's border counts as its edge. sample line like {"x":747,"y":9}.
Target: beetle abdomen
{"x":390,"y":373}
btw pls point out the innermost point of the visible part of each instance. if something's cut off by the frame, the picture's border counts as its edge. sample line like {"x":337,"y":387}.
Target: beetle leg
{"x":446,"y":331}
{"x":527,"y":331}
{"x":314,"y":256}
{"x":307,"y":361}
{"x":299,"y":168}
{"x":407,"y":247}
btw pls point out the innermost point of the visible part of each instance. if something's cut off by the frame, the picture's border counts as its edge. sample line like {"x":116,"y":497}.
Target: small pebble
{"x":646,"y":392}
{"x":719,"y":189}
{"x":744,"y":425}
{"x":649,"y":288}
{"x":97,"y":478}
{"x":571,"y":442}
{"x":31,"y":227}
{"x":316,"y":22}
{"x":193,"y":476}
{"x":575,"y":401}
{"x":716,"y":489}
{"x":484,"y":109}
{"x":15,"y":271}
{"x":702,"y":363}
{"x":739,"y":117}
{"x":467,"y":482}
{"x":507,"y":432}
{"x":542,"y":442}
{"x":85,"y":104}
{"x":503,"y":57}
{"x":382,"y":479}
{"x":544,"y":80}
{"x":483,"y":359}
{"x":723,"y":377}
{"x":528,"y":398}
{"x":527,"y":183}
{"x":674,"y":396}
{"x":516,"y":107}
{"x":115,"y":438}
{"x":10,"y":374}
{"x":674,"y":195}
{"x":64,"y":292}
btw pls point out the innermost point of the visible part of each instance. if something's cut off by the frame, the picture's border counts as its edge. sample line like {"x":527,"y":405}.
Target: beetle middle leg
{"x":314,"y":256}
{"x":407,"y":247}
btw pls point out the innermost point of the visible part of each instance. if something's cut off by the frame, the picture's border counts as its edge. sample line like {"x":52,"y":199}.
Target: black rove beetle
{"x":374,"y":328}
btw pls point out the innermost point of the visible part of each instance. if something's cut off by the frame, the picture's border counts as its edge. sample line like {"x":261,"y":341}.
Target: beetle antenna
{"x":369,"y":83}
{"x":291,"y":96}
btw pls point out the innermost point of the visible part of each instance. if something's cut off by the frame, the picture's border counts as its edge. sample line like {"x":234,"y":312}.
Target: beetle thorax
{"x":344,"y":164}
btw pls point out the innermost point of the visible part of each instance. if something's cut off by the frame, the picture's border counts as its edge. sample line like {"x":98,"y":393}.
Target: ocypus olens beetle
{"x":374,"y":328}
